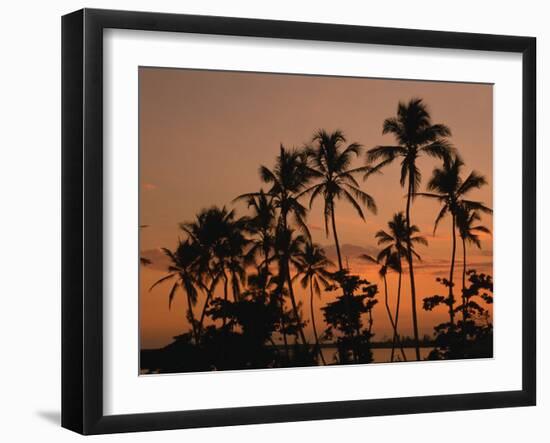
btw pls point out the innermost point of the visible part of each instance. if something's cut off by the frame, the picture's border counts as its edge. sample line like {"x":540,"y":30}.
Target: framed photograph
{"x":269,"y":221}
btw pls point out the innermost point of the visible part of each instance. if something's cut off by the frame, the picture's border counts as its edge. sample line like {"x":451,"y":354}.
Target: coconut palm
{"x":262,"y":225}
{"x":395,"y":246}
{"x":450,"y":190}
{"x":387,"y":262}
{"x":287,"y":248}
{"x":182,"y":269}
{"x":288,"y":178}
{"x":416,"y":136}
{"x":232,"y":257}
{"x":213,"y":232}
{"x":468,"y":230}
{"x":311,"y":265}
{"x":331,"y":161}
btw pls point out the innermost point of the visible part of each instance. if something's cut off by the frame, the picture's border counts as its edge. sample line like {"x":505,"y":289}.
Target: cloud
{"x":158,"y":259}
{"x":349,"y":251}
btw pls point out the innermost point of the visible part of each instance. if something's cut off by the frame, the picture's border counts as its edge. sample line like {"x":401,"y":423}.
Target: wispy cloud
{"x":149,"y":186}
{"x":158,"y":259}
{"x":315,"y":227}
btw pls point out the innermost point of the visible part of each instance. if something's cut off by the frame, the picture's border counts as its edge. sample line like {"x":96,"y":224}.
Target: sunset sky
{"x":204,"y":134}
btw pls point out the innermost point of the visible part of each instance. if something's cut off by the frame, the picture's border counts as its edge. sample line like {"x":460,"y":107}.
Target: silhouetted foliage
{"x":416,"y":136}
{"x":471,"y":337}
{"x":344,"y":317}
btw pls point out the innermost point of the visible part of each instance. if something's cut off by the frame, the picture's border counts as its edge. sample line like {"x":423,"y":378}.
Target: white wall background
{"x":30,"y":218}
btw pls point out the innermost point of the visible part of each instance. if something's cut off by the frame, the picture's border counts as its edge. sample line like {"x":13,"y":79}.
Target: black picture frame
{"x":82,"y":218}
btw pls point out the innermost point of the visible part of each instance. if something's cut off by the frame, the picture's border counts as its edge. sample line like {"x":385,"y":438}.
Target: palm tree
{"x":210,"y":232}
{"x":262,"y":225}
{"x":449,"y":189}
{"x":416,"y":136}
{"x":395,"y":243}
{"x":331,"y":165}
{"x":387,"y":262}
{"x":311,"y":265}
{"x":182,"y":268}
{"x":468,"y":231}
{"x":232,"y":257}
{"x":288,"y":179}
{"x":287,"y":247}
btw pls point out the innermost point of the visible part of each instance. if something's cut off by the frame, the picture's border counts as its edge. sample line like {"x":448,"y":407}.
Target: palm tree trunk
{"x":396,"y":338}
{"x":411,"y":270}
{"x":266,"y":271}
{"x":464,"y":280}
{"x":388,"y":310}
{"x":283,"y":326}
{"x":192,"y":318}
{"x":319,"y":352}
{"x":340,"y":266}
{"x":294,"y":305}
{"x":235,"y":288}
{"x":284,"y":273}
{"x":280,"y":288}
{"x":224,"y":321}
{"x":209,"y":292}
{"x":451,"y":274}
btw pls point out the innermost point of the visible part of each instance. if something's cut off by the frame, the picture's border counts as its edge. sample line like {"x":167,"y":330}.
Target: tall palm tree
{"x":262,"y":225}
{"x":233,"y":257}
{"x":287,"y":178}
{"x":287,"y":248}
{"x":210,"y":232}
{"x":449,"y":188}
{"x":182,"y":269}
{"x":395,"y":246}
{"x":387,"y":262}
{"x":468,"y":231}
{"x":311,"y":265}
{"x":416,"y":136}
{"x":331,"y":161}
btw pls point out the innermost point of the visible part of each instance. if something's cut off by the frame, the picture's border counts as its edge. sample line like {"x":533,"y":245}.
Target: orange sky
{"x":203,"y":135}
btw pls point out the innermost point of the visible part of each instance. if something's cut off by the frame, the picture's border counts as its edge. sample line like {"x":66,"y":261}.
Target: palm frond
{"x":163,"y":279}
{"x":442,"y":213}
{"x":473,"y":181}
{"x":384,"y":153}
{"x":172,"y":294}
{"x":351,"y":200}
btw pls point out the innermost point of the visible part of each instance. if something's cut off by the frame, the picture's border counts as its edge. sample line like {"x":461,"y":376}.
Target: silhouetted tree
{"x":450,"y":190}
{"x":386,"y":262}
{"x":262,"y":225}
{"x":288,"y":179}
{"x":470,"y":338}
{"x":288,"y":247}
{"x":468,"y":231}
{"x":331,"y":166}
{"x":344,"y":316}
{"x":394,"y":242}
{"x":182,"y":269}
{"x":311,"y":265}
{"x":416,"y":136}
{"x":210,"y":232}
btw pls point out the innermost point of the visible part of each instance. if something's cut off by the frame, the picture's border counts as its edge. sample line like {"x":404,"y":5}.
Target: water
{"x":380,"y":355}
